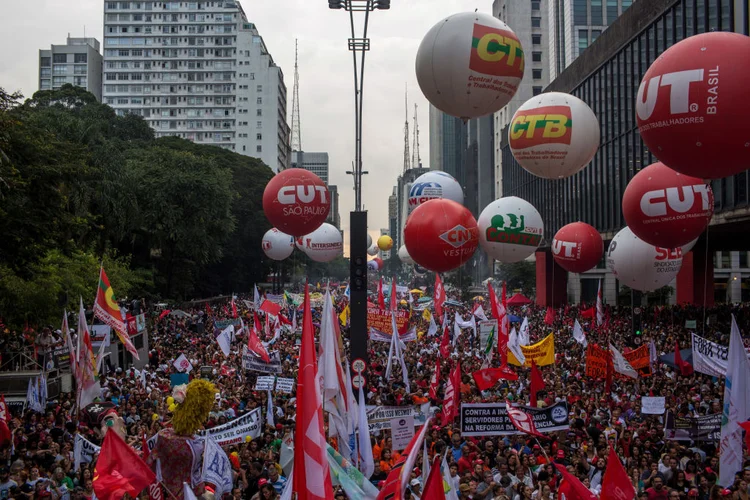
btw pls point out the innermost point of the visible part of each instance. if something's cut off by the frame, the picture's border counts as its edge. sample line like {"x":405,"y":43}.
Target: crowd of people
{"x":38,"y":455}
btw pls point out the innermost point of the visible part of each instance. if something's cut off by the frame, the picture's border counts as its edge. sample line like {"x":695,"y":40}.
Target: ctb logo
{"x":543,"y":125}
{"x":496,"y":52}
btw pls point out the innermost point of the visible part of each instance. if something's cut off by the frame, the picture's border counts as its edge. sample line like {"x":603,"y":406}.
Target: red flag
{"x":3,"y":409}
{"x":537,"y":382}
{"x":487,"y":378}
{"x":452,"y":395}
{"x":381,"y":296}
{"x":163,"y":314}
{"x":120,"y":470}
{"x":234,"y":308}
{"x":616,"y":484}
{"x":435,"y":381}
{"x":522,"y":421}
{"x":144,"y":447}
{"x":589,"y":313}
{"x":154,"y":492}
{"x":256,"y":347}
{"x":271,"y":308}
{"x":283,"y":320}
{"x":393,"y":302}
{"x":398,"y":478}
{"x":312,"y":476}
{"x":684,"y":367}
{"x":572,"y":487}
{"x":502,"y":335}
{"x":746,"y":426}
{"x":549,"y":318}
{"x":438,"y":297}
{"x":208,"y":309}
{"x":433,"y":488}
{"x":599,"y":306}
{"x":107,"y":310}
{"x":445,"y":343}
{"x":256,"y":323}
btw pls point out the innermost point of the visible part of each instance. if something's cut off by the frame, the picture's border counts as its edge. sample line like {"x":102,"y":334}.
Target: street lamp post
{"x":358,"y":218}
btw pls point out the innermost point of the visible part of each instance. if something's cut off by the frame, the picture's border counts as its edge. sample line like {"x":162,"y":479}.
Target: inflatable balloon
{"x":277,"y":245}
{"x":324,"y":244}
{"x":419,"y":270}
{"x":369,"y":240}
{"x":692,"y":105}
{"x":385,"y":243}
{"x":470,"y":65}
{"x":296,"y":201}
{"x":372,"y":265}
{"x":689,"y":246}
{"x":372,"y":250}
{"x":510,"y":229}
{"x":577,"y":247}
{"x":665,"y":208}
{"x":403,"y":254}
{"x":441,"y":235}
{"x":554,"y":135}
{"x":434,"y":185}
{"x":639,"y":265}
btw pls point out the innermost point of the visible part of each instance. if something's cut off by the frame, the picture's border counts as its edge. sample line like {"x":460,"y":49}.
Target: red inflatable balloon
{"x":441,"y":234}
{"x":296,"y":201}
{"x":577,"y":247}
{"x":665,"y":208}
{"x":692,"y":105}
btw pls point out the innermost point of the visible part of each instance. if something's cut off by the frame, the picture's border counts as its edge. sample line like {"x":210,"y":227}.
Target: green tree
{"x":518,"y":275}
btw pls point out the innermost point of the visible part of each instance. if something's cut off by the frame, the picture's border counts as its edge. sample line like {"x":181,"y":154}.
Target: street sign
{"x":358,"y":381}
{"x":359,"y":365}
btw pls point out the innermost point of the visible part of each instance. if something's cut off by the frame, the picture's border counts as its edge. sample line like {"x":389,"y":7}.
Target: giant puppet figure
{"x":179,"y":453}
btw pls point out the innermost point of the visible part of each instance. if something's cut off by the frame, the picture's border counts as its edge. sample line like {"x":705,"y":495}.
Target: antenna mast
{"x":295,"y":132}
{"x":407,"y":161}
{"x":416,"y":158}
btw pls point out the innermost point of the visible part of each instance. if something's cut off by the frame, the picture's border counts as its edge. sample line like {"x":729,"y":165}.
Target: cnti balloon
{"x":554,"y":135}
{"x":385,"y":243}
{"x":296,"y":201}
{"x":434,"y":185}
{"x":639,"y":265}
{"x":324,"y":244}
{"x":403,"y":254}
{"x":666,"y":208}
{"x":441,"y":235}
{"x":470,"y":65}
{"x":510,"y":229}
{"x":277,"y":245}
{"x":693,"y":104}
{"x":577,"y":247}
{"x":372,"y":250}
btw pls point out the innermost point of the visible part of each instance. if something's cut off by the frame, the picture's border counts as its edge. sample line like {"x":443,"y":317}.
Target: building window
{"x":595,"y":34}
{"x":536,"y":22}
{"x":580,"y":12}
{"x":258,"y":112}
{"x":258,"y":124}
{"x":258,"y":149}
{"x":596,"y":12}
{"x":259,"y":88}
{"x":536,"y":74}
{"x":536,"y":39}
{"x":583,"y":40}
{"x":81,"y":58}
{"x":258,"y":137}
{"x":60,"y":58}
{"x":536,"y":56}
{"x":536,"y":90}
{"x":45,"y":62}
{"x":535,"y":5}
{"x":259,"y":100}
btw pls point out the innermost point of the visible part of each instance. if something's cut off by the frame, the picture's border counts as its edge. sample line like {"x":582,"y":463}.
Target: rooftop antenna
{"x":407,"y":160}
{"x":295,"y":132}
{"x":416,"y":158}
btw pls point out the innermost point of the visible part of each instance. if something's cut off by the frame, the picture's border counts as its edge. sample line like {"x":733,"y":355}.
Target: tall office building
{"x":197,"y":70}
{"x":575,"y":24}
{"x":393,"y":219}
{"x":333,"y":216}
{"x":78,"y":62}
{"x":447,"y":144}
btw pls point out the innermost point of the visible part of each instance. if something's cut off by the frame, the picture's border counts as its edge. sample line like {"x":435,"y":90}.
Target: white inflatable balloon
{"x":324,"y":244}
{"x":372,"y":250}
{"x":639,"y":265}
{"x":277,"y":245}
{"x":403,"y":254}
{"x":554,"y":135}
{"x":372,"y":265}
{"x":432,"y":185}
{"x":369,"y":240}
{"x":470,"y":65}
{"x":689,"y":246}
{"x":510,"y":229}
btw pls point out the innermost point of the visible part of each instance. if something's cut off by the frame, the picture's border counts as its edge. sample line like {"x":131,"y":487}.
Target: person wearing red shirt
{"x":657,"y":491}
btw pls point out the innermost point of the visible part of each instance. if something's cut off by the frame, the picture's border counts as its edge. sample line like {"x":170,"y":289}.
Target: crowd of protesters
{"x":38,"y":456}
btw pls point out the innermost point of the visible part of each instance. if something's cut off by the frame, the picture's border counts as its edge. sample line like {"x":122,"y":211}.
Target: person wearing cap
{"x":415,"y":486}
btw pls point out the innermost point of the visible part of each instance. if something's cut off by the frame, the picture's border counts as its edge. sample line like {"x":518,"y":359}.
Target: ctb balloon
{"x":693,"y":105}
{"x":277,"y":245}
{"x":510,"y":229}
{"x":554,"y":135}
{"x":434,"y":185}
{"x":470,"y":65}
{"x":577,"y":247}
{"x":385,"y":243}
{"x":441,"y":235}
{"x":639,"y":265}
{"x":296,"y":201}
{"x":324,"y":244}
{"x":666,"y":208}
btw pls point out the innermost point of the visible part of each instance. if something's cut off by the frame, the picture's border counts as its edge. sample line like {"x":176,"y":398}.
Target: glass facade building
{"x":608,"y":83}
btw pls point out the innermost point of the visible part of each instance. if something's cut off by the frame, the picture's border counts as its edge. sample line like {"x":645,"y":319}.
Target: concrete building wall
{"x":78,"y":63}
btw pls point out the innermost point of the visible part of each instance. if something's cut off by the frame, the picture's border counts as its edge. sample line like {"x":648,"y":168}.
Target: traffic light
{"x":358,"y":251}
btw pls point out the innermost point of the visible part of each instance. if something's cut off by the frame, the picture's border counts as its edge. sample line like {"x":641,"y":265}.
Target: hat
{"x":94,"y":413}
{"x":560,"y":454}
{"x":536,"y":447}
{"x":262,"y":481}
{"x":725,"y":492}
{"x":415,"y":482}
{"x":693,"y":492}
{"x":478,"y":462}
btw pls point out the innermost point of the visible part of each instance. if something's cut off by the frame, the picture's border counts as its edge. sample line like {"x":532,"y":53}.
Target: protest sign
{"x":233,"y":432}
{"x":253,"y":363}
{"x":543,"y":353}
{"x":402,"y":430}
{"x":265,"y":383}
{"x":380,"y":417}
{"x":61,"y":358}
{"x":709,"y":357}
{"x":380,"y":321}
{"x":652,"y":405}
{"x":83,"y":452}
{"x":221,"y":324}
{"x":182,"y":364}
{"x":99,"y":334}
{"x":596,"y":361}
{"x":284,"y":385}
{"x":691,"y":323}
{"x":140,"y":322}
{"x":485,"y":329}
{"x":639,"y":360}
{"x":378,"y":336}
{"x":491,"y":419}
{"x":703,"y":428}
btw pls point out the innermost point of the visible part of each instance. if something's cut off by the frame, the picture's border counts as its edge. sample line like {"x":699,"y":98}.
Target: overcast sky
{"x":326,"y":75}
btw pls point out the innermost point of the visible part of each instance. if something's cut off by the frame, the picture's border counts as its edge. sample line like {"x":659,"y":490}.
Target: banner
{"x":402,"y":431}
{"x":140,"y":322}
{"x":639,"y":359}
{"x":284,"y":385}
{"x":380,"y":417}
{"x":703,"y":428}
{"x":652,"y":405}
{"x":233,"y":432}
{"x":691,"y":323}
{"x":221,"y":324}
{"x":543,"y":353}
{"x":596,"y":361}
{"x":378,"y":336}
{"x":709,"y":357}
{"x":491,"y":419}
{"x":380,"y":320}
{"x":61,"y":358}
{"x":265,"y":383}
{"x":83,"y":451}
{"x":485,"y":328}
{"x":253,"y":363}
{"x":99,"y":334}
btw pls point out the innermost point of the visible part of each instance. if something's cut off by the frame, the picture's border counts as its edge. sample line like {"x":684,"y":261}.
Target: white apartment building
{"x":196,"y":70}
{"x":78,"y":62}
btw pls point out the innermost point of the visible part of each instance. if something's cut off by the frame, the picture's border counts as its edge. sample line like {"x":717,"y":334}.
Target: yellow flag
{"x":543,"y":352}
{"x":426,"y":315}
{"x":344,"y":316}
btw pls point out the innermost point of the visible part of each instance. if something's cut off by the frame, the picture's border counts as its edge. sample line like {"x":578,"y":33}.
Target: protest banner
{"x":140,"y":322}
{"x":83,"y":452}
{"x":380,"y":417}
{"x":380,"y":321}
{"x":703,"y":428}
{"x":491,"y":419}
{"x":691,"y":323}
{"x":639,"y":360}
{"x":265,"y":383}
{"x":402,"y":430}
{"x":709,"y":357}
{"x":99,"y":334}
{"x":652,"y":405}
{"x":284,"y":385}
{"x":233,"y":432}
{"x":378,"y":336}
{"x":221,"y":324}
{"x":485,"y":329}
{"x":253,"y":363}
{"x":61,"y":358}
{"x":596,"y":361}
{"x":543,"y":353}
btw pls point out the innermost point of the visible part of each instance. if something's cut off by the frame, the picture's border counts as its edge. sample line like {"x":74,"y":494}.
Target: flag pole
{"x":172,"y":495}
{"x":542,"y":448}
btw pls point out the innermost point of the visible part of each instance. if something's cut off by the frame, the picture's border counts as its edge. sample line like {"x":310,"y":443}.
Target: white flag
{"x":256,"y":298}
{"x":456,"y":329}
{"x":579,"y":335}
{"x":217,"y":469}
{"x":83,"y":452}
{"x":225,"y":339}
{"x":451,"y":494}
{"x":736,"y":408}
{"x":479,"y":313}
{"x":653,"y":356}
{"x":399,"y":353}
{"x":599,"y":306}
{"x":523,"y":334}
{"x":187,"y":492}
{"x":433,"y":330}
{"x":622,"y":365}
{"x":367,"y":465}
{"x":182,"y":364}
{"x":289,"y":487}
{"x":269,"y":410}
{"x":514,"y":345}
